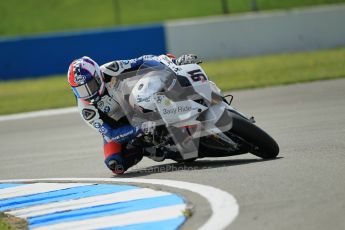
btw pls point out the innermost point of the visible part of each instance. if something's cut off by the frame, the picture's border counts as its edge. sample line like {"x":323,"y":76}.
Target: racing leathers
{"x":107,"y":117}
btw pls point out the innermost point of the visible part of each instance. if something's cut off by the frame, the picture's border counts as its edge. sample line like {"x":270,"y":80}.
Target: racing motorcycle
{"x":191,"y":116}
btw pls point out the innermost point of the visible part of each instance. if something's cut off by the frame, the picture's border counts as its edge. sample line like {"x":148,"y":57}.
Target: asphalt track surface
{"x":304,"y":188}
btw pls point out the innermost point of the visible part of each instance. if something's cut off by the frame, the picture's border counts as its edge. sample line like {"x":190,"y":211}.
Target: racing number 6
{"x":197,"y":75}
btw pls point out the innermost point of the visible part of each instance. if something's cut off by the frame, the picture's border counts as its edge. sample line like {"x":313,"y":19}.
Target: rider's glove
{"x":188,"y":59}
{"x":148,"y":127}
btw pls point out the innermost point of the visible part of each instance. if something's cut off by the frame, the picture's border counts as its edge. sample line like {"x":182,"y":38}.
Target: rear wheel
{"x":260,"y":143}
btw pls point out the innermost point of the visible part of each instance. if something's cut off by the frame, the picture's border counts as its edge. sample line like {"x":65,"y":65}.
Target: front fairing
{"x":178,"y":101}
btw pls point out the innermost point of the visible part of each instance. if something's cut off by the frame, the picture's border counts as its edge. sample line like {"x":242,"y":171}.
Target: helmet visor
{"x":87,"y":90}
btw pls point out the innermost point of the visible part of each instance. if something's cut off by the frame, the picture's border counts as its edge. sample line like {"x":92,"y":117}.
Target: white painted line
{"x":138,"y":217}
{"x":31,"y":189}
{"x":60,"y":206}
{"x":224,"y":206}
{"x":43,"y":113}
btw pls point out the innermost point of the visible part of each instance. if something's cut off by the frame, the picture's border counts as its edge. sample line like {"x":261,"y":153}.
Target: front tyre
{"x":260,"y":143}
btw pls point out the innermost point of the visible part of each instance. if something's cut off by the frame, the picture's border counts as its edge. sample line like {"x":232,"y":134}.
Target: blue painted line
{"x":170,"y":224}
{"x":9,"y":185}
{"x":61,"y":195}
{"x":105,"y":210}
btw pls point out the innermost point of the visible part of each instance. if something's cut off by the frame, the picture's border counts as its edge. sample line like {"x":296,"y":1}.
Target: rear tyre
{"x":260,"y":143}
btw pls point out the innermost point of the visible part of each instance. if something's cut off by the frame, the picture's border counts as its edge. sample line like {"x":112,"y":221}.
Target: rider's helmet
{"x":86,"y":79}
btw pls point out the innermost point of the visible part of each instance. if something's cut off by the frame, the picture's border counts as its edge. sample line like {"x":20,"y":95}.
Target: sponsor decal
{"x":124,"y":135}
{"x":100,"y":104}
{"x":179,"y":109}
{"x":103,"y":130}
{"x":146,"y":99}
{"x":97,"y":125}
{"x":159,"y":99}
{"x":177,"y":69}
{"x":80,"y":79}
{"x":88,"y":114}
{"x":113,"y":66}
{"x":106,"y":109}
{"x":125,"y":62}
{"x":167,"y":102}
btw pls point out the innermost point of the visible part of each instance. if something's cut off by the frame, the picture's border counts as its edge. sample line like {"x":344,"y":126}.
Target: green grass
{"x":4,"y":225}
{"x":230,"y":74}
{"x":277,"y":69}
{"x":36,"y":94}
{"x":8,"y":222}
{"x":18,"y":17}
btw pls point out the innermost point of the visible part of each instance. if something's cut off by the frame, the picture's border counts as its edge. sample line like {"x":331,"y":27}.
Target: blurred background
{"x":40,"y":16}
{"x":245,"y":43}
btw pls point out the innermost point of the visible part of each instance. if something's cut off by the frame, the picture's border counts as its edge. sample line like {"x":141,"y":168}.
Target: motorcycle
{"x":192,"y":118}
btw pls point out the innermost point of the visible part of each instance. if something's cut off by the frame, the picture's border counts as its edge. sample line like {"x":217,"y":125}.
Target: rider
{"x":91,"y":85}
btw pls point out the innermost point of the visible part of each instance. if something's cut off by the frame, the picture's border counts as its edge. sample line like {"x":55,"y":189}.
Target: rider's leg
{"x":118,"y":158}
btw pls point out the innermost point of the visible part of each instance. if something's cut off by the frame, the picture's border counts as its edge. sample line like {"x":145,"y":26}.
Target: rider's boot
{"x":121,"y":162}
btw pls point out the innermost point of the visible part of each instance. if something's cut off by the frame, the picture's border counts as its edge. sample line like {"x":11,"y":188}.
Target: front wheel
{"x":259,"y":142}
